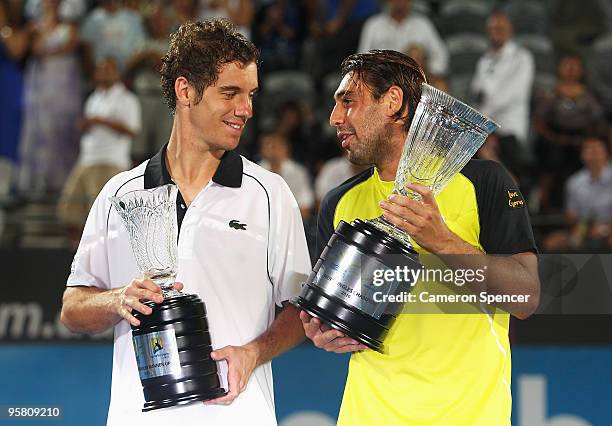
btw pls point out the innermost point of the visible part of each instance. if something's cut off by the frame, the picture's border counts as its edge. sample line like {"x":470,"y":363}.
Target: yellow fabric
{"x":437,"y":369}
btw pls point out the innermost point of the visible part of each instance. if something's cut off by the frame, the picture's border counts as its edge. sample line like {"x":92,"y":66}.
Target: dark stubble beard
{"x":373,"y":146}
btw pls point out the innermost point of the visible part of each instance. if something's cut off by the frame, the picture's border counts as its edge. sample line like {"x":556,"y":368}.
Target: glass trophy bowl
{"x":172,"y":345}
{"x":444,"y":135}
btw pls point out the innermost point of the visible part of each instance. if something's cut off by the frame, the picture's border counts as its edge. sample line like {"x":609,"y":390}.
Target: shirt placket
{"x":189,"y":226}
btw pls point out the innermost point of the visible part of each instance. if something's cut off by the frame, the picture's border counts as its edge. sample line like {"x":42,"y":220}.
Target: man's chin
{"x":358,"y":160}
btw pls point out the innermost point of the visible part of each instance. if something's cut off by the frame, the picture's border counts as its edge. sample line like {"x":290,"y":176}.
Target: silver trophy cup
{"x":172,"y":345}
{"x":443,"y":136}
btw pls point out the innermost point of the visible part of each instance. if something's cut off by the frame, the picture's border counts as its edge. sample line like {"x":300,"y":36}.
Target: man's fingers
{"x":425,"y":192}
{"x":350,"y":348}
{"x":148,"y":284}
{"x":220,"y":354}
{"x":305,"y":317}
{"x":339,"y":343}
{"x":178,"y":286}
{"x":144,"y":294}
{"x":323,"y":339}
{"x":126,"y":314}
{"x":140,"y":307}
{"x":222,"y":400}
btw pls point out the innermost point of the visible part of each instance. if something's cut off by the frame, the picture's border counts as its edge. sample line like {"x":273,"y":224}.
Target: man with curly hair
{"x":241,"y":244}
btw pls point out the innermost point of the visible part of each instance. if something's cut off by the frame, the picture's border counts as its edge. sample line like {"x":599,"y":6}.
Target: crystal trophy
{"x":172,"y":345}
{"x":444,"y":135}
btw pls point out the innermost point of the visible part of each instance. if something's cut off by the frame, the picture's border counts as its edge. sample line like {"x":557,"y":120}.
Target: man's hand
{"x":325,"y":337}
{"x":132,"y":295}
{"x":420,"y":219}
{"x":241,"y":361}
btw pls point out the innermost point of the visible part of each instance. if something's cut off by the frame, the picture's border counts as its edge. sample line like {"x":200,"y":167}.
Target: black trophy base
{"x":335,"y":312}
{"x":194,"y":376}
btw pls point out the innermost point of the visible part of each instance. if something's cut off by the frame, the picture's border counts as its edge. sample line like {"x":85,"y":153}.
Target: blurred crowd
{"x":80,"y":98}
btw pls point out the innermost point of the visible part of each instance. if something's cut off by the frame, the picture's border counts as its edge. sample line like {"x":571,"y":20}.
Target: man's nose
{"x":244,"y":107}
{"x":336,"y":117}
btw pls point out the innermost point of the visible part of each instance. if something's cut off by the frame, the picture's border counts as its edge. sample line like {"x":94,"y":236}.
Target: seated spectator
{"x":143,"y":72}
{"x":417,"y":52}
{"x":397,"y":28}
{"x":276,"y":157}
{"x":278,"y":32}
{"x":111,"y":31}
{"x":110,"y":123}
{"x":501,"y":87}
{"x":52,"y":102}
{"x":588,"y":203}
{"x":562,"y":119}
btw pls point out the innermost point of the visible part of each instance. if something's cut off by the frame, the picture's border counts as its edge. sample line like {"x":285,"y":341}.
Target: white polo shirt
{"x":240,"y":274}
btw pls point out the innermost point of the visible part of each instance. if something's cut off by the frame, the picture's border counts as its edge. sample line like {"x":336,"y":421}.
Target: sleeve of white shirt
{"x":288,"y":256}
{"x":90,"y":264}
{"x":130,"y":113}
{"x":305,"y":198}
{"x":366,"y":36}
{"x":436,"y":49}
{"x":513,"y":85}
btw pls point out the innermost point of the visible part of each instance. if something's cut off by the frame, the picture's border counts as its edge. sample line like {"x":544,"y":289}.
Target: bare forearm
{"x":89,"y":309}
{"x":285,"y":332}
{"x":116,"y":126}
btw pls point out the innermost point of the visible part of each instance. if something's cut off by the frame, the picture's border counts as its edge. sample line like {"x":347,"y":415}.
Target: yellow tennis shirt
{"x":437,"y":369}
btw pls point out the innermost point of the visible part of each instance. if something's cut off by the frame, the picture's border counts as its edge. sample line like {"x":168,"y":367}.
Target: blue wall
{"x":555,"y":382}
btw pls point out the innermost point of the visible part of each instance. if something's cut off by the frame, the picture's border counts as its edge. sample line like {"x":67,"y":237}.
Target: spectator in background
{"x":183,"y":11}
{"x":588,"y":203}
{"x":418,"y":53}
{"x":142,"y":70}
{"x":575,"y":24}
{"x":52,"y":102}
{"x":397,"y":28}
{"x":276,"y":157}
{"x":335,"y":171}
{"x":111,"y":31}
{"x":501,"y":86}
{"x":562,"y":119}
{"x":335,"y":26}
{"x":295,"y":121}
{"x":279,"y":30}
{"x":110,"y":123}
{"x":13,"y":46}
{"x":69,"y":10}
{"x":239,"y":12}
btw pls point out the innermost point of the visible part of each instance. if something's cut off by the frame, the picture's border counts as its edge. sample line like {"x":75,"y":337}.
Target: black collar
{"x":229,"y":172}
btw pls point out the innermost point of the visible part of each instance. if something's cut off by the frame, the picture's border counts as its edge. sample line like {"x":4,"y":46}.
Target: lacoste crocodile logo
{"x":237,"y":225}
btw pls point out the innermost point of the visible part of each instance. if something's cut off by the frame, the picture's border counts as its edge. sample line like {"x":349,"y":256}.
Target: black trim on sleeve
{"x":327,"y":210}
{"x":505,"y":227}
{"x":269,"y":224}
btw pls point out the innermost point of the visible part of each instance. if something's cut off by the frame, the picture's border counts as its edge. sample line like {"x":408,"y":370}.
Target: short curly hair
{"x":381,"y":69}
{"x":197,"y":52}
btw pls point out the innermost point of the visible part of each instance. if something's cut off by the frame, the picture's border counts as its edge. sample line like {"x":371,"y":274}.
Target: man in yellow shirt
{"x":437,"y":369}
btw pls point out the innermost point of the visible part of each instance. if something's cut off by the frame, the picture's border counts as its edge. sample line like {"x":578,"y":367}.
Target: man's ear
{"x":392,"y":100}
{"x":184,"y":93}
